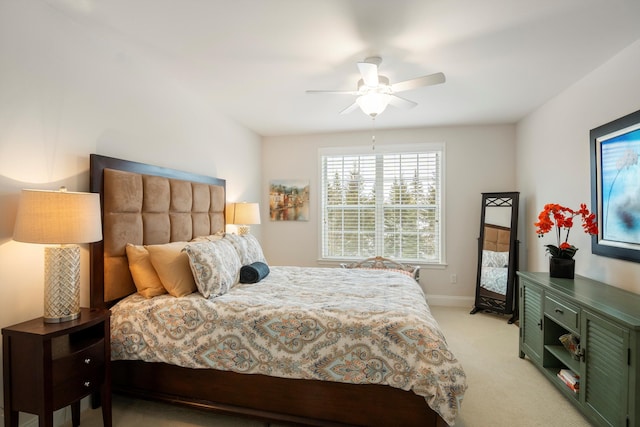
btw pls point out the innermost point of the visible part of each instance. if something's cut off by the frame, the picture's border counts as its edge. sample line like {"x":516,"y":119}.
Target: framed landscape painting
{"x":615,"y":187}
{"x":289,"y":200}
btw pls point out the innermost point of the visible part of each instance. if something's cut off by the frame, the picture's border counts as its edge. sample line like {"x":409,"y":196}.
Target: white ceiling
{"x":254,"y":59}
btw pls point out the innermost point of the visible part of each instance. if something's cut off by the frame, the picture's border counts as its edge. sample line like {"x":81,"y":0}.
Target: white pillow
{"x":247,"y":246}
{"x":215,"y":266}
{"x":495,"y":259}
{"x":210,"y":238}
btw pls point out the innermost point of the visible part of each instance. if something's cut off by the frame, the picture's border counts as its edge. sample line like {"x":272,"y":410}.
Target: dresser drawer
{"x":78,"y":364}
{"x":563,"y":312}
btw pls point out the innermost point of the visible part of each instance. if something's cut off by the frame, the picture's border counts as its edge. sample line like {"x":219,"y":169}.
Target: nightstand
{"x":48,"y":366}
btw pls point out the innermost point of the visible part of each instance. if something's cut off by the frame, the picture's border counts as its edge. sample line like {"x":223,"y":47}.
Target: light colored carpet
{"x":504,"y":390}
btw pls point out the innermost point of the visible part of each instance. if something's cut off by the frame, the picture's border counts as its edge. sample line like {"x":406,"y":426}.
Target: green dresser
{"x":606,"y":322}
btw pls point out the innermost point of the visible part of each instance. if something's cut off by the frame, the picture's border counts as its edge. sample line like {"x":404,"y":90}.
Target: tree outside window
{"x":403,"y":223}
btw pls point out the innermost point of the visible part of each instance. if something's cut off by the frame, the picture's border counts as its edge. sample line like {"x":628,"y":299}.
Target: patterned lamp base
{"x":61,"y":283}
{"x":243,"y":229}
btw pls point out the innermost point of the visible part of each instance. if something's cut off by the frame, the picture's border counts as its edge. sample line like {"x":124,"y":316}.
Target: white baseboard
{"x":450,"y":301}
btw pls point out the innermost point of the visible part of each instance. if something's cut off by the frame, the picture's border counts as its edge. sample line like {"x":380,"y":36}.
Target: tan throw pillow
{"x":172,"y":266}
{"x":144,"y":275}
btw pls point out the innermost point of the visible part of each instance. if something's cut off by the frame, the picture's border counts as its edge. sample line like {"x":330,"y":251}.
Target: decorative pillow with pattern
{"x":215,"y":266}
{"x":210,"y":238}
{"x":247,"y":246}
{"x":495,"y":259}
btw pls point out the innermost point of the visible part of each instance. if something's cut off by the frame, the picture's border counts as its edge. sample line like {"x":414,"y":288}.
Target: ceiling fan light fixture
{"x":375,"y":92}
{"x":373,"y":103}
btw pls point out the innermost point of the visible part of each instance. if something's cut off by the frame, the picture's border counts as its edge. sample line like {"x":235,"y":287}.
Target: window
{"x":385,"y":202}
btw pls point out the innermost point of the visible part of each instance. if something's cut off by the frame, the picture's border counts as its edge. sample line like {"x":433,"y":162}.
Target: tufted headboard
{"x":144,"y":204}
{"x":496,"y":238}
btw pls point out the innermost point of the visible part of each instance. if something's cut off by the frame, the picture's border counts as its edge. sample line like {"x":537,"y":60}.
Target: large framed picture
{"x":615,"y":187}
{"x":289,"y":200}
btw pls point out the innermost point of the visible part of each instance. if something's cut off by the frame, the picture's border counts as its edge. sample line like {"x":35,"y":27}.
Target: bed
{"x":153,"y":206}
{"x":495,"y":259}
{"x":494,"y":273}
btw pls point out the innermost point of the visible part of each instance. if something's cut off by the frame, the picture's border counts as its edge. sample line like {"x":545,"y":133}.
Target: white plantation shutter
{"x":385,"y":202}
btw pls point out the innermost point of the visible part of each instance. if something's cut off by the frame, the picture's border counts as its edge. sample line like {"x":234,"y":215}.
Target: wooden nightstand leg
{"x":75,"y":414}
{"x":11,"y":418}
{"x":96,"y":399}
{"x":45,"y":419}
{"x":105,"y":396}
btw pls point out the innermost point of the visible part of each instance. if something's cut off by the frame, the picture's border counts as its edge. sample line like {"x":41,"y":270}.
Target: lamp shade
{"x":373,"y":103}
{"x":245,"y":213}
{"x":58,"y":217}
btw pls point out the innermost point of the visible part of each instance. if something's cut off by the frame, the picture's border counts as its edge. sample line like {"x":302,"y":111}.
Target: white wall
{"x":67,"y":91}
{"x":553,"y":159}
{"x":478,"y":159}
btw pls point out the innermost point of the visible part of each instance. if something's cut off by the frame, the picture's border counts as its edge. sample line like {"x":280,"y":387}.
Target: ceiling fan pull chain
{"x":373,"y":133}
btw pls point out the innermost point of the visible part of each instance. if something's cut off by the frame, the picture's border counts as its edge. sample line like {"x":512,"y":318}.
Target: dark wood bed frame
{"x":301,"y":402}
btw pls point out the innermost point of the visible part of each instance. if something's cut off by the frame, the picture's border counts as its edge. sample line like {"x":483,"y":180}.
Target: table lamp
{"x":244,"y":214}
{"x":64,"y":218}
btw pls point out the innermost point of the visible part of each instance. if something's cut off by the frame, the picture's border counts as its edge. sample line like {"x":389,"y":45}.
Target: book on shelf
{"x":569,"y":376}
{"x":570,"y":379}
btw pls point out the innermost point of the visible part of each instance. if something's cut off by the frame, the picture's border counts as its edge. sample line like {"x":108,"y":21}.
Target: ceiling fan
{"x":375,"y":92}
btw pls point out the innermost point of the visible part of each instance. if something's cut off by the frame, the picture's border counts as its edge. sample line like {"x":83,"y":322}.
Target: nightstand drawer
{"x":77,"y":386}
{"x":80,"y":363}
{"x":563,"y":312}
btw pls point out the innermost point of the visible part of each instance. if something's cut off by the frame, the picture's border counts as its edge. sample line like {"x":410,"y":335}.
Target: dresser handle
{"x":87,"y":383}
{"x":87,"y":361}
{"x":559,"y":311}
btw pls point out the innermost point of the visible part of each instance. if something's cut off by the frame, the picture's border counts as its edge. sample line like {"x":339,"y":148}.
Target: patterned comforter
{"x":345,"y":325}
{"x":494,"y":279}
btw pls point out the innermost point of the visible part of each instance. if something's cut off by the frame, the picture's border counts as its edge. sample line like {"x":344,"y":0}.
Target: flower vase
{"x":562,"y":268}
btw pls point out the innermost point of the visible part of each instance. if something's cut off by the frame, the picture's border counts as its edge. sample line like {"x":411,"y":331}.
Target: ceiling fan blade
{"x":369,"y":73}
{"x":399,"y":102}
{"x":349,"y":109}
{"x":431,"y":79}
{"x":339,"y":92}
